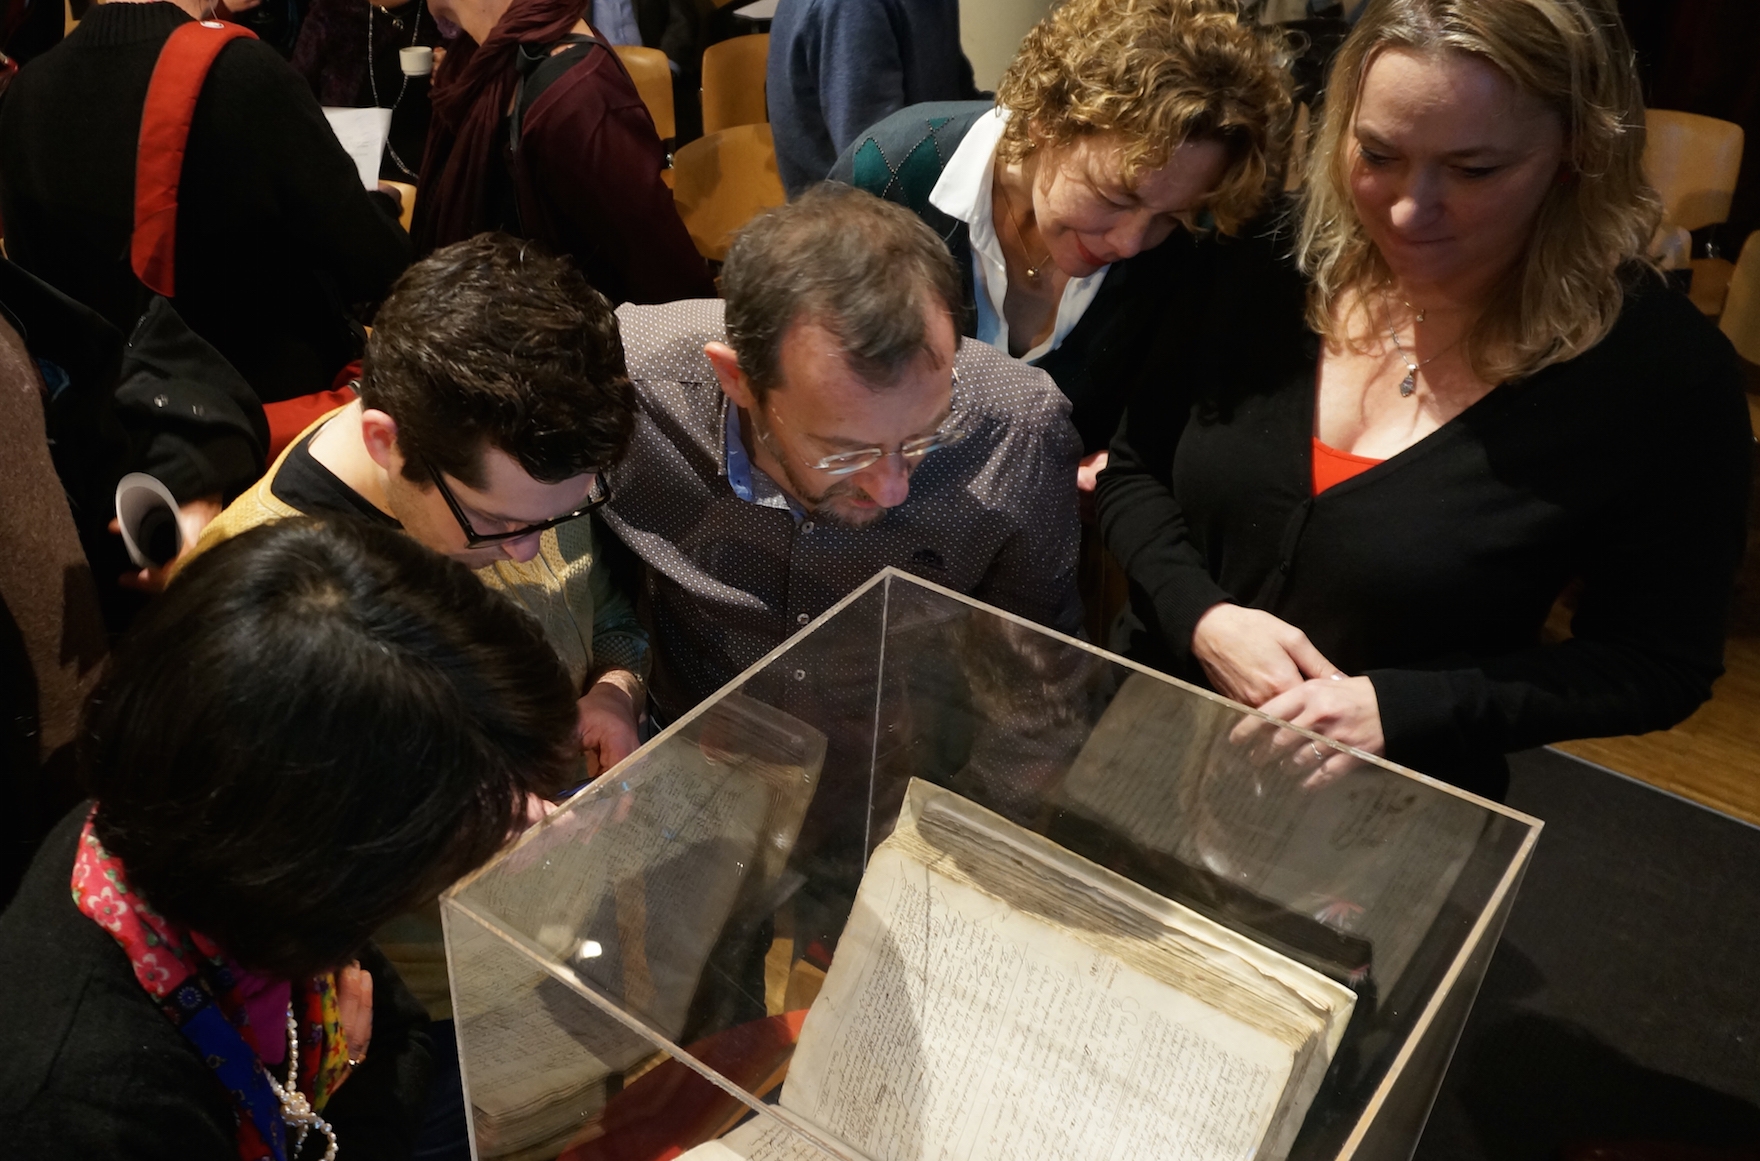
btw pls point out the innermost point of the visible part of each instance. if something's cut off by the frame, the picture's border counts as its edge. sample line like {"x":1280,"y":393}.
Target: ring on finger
{"x":1315,"y":746}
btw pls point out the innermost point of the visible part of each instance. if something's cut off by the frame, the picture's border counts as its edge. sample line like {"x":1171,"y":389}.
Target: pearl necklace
{"x":295,"y":1109}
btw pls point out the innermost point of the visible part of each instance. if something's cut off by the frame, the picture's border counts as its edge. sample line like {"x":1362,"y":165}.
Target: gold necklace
{"x":1033,"y":268}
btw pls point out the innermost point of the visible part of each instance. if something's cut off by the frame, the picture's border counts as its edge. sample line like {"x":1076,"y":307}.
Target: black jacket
{"x":93,"y":1068}
{"x":1433,"y":572}
{"x":275,"y":236}
{"x":1113,"y":350}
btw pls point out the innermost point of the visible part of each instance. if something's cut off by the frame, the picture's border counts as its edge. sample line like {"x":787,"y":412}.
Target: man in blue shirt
{"x":838,"y":66}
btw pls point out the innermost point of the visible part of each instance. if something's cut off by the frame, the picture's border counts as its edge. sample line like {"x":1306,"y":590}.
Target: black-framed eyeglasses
{"x":601,"y":492}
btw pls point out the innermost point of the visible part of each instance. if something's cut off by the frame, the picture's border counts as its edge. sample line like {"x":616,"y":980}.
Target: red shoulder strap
{"x":171,"y":106}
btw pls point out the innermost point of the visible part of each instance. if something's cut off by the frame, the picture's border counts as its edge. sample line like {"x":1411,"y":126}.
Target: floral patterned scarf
{"x":198,"y":990}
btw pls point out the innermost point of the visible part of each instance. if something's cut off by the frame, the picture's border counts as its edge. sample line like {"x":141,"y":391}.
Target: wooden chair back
{"x":408,"y":193}
{"x":1741,"y":309}
{"x":733,"y":82}
{"x":1693,"y":162}
{"x":653,"y":78}
{"x":722,"y":181}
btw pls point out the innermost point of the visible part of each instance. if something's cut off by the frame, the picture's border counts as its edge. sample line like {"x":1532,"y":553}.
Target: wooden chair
{"x":722,"y":181}
{"x":733,"y":82}
{"x":653,"y":78}
{"x":1741,"y":311}
{"x":1693,"y":162}
{"x":408,"y":193}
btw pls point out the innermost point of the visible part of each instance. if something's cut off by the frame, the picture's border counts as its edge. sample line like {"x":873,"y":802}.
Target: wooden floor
{"x":1714,"y":756}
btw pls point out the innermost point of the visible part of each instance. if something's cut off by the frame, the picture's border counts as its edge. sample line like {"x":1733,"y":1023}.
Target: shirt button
{"x":807,"y":527}
{"x":802,"y":619}
{"x":800,"y":675}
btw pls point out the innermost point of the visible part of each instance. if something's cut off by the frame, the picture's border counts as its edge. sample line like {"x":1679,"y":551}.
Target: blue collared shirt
{"x":749,"y":483}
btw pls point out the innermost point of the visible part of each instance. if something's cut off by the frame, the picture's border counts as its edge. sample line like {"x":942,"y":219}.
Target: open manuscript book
{"x":631,"y":894}
{"x":995,"y":997}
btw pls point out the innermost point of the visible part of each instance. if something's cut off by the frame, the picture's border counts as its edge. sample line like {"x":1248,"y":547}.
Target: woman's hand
{"x":1341,"y":708}
{"x":1252,"y":656}
{"x":354,"y":1011}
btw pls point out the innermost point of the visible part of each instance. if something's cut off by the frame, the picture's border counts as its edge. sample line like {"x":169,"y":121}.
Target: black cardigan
{"x":92,"y":1068}
{"x":275,"y":236}
{"x":1111,"y":352}
{"x":1433,"y":572}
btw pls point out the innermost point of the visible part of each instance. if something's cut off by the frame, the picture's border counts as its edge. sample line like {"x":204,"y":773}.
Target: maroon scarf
{"x":471,"y":94}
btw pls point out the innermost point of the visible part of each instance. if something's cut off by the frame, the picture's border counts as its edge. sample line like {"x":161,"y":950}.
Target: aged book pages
{"x":539,"y":1055}
{"x":629,"y":888}
{"x":994,"y":997}
{"x":1374,"y":855}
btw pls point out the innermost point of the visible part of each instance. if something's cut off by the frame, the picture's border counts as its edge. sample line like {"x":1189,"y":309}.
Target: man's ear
{"x":734,"y":383}
{"x":379,"y":434}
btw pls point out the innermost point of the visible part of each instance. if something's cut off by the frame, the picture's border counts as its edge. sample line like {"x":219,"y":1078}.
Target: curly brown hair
{"x":1156,"y":73}
{"x":496,"y":342}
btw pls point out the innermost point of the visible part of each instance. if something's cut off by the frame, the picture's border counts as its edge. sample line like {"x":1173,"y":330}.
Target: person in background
{"x":348,"y":53}
{"x":1124,"y":134}
{"x":319,"y":723}
{"x":275,"y":239}
{"x":1483,"y":393}
{"x":838,"y":66}
{"x":538,"y":131}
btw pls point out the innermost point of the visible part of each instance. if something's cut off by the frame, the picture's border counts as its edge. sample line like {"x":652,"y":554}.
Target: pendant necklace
{"x":1033,"y":269}
{"x":373,"y":79}
{"x":1410,"y":383}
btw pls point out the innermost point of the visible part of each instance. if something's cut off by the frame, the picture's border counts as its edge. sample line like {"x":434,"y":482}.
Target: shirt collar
{"x":748,"y":482}
{"x":963,"y":192}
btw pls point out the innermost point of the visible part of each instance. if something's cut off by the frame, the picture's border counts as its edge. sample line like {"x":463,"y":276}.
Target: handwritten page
{"x":538,"y":1054}
{"x":643,"y":873}
{"x":975,"y":1031}
{"x":362,"y":133}
{"x":1373,"y":854}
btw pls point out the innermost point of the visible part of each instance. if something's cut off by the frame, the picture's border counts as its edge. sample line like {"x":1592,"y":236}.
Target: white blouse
{"x":964,"y":193}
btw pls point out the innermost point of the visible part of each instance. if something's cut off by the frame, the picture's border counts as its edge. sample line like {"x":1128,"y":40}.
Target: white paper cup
{"x":149,"y":518}
{"x":416,"y":60}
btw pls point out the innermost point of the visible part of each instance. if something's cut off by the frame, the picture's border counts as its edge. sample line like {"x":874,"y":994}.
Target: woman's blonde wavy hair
{"x":1156,"y":73}
{"x":1565,"y":294}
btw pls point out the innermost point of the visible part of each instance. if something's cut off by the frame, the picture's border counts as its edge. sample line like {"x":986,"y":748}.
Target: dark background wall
{"x":1703,"y":56}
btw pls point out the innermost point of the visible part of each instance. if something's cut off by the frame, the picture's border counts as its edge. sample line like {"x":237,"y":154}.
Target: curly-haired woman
{"x":1118,"y":124}
{"x":1480,"y":393}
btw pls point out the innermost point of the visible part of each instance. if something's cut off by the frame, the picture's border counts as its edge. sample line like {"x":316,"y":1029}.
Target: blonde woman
{"x":1119,"y":124}
{"x":1483,"y":393}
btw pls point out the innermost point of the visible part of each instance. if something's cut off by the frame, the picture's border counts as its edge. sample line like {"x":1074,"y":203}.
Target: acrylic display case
{"x":635,"y":978}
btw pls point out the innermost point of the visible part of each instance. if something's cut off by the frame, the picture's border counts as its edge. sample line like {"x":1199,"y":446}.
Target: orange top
{"x":1332,"y":466}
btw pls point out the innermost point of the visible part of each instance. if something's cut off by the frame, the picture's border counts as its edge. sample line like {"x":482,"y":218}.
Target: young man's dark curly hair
{"x":495,"y":342}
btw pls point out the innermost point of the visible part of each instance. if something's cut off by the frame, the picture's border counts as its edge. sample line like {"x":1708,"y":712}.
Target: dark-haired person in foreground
{"x":492,"y":398}
{"x":317,"y":725}
{"x":825,"y":421}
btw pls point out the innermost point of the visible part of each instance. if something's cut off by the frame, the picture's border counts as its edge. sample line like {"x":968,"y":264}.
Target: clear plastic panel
{"x":635,"y":975}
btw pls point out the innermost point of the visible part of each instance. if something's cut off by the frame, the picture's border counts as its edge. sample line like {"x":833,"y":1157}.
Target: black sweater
{"x":1433,"y":572}
{"x":275,"y":236}
{"x":92,"y":1068}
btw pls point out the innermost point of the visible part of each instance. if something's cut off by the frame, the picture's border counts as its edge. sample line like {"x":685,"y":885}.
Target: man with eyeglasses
{"x":821,"y":422}
{"x":493,"y":397}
